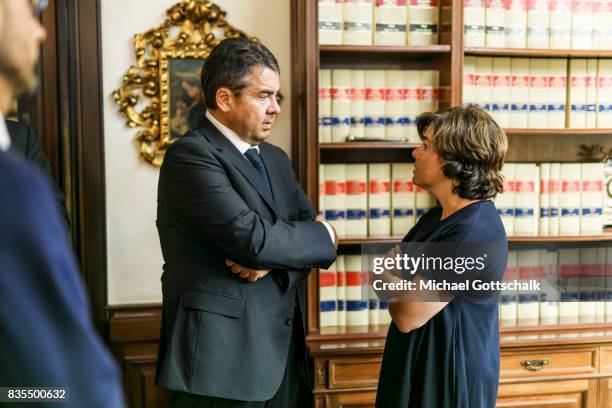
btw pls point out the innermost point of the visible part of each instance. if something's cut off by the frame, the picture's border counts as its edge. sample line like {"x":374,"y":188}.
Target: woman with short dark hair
{"x":446,"y":353}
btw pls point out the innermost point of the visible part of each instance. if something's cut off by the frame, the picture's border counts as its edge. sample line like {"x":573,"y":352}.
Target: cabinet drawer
{"x":353,"y":372}
{"x":605,"y":365}
{"x":534,"y":363}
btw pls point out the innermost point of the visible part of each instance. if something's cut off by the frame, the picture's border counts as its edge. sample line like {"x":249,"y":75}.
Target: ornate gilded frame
{"x":191,"y":29}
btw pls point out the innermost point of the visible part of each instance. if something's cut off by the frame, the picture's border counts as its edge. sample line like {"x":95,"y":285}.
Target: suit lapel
{"x":274,"y":174}
{"x":218,"y":140}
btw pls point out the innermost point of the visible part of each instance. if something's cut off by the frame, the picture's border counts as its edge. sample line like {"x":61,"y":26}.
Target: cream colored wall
{"x":134,"y":256}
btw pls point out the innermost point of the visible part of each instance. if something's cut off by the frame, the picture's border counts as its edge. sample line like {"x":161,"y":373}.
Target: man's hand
{"x":246,"y":273}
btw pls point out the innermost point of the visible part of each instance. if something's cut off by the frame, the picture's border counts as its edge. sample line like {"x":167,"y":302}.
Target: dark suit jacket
{"x":222,"y":336}
{"x":25,"y":142}
{"x":47,"y":337}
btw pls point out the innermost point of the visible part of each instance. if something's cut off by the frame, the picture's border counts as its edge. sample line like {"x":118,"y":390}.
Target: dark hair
{"x":472,"y":146}
{"x":229,"y":65}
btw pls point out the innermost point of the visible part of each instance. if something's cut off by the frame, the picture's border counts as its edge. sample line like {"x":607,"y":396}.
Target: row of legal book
{"x":541,"y":93}
{"x":576,"y":287}
{"x":538,"y":24}
{"x":383,"y":22}
{"x":379,"y":200}
{"x":371,"y":200}
{"x":552,"y":199}
{"x":374,"y":104}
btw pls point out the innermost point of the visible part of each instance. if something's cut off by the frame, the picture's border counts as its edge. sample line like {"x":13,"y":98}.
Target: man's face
{"x":20,"y":38}
{"x":254,"y":111}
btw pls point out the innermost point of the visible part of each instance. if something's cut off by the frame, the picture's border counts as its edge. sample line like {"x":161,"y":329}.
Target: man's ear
{"x":225,"y":99}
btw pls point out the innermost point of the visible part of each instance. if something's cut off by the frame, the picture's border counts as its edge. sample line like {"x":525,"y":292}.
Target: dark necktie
{"x":253,"y":156}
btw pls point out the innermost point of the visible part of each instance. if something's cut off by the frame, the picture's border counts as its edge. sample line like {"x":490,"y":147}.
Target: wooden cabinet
{"x":576,"y":376}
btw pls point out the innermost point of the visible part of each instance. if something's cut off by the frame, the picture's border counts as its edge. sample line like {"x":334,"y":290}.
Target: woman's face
{"x":427,"y":165}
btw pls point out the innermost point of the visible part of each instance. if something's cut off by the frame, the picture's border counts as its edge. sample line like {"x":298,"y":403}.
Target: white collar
{"x":240,"y":144}
{"x":5,"y":139}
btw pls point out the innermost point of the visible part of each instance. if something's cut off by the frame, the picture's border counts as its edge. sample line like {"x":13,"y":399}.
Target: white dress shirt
{"x":243,"y":146}
{"x":5,"y":139}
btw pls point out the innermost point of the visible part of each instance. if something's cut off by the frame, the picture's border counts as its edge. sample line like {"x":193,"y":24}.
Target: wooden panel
{"x":572,"y":393}
{"x":573,"y":400}
{"x":560,"y":362}
{"x":354,"y":372}
{"x":350,"y":400}
{"x":605,"y":359}
{"x":605,"y":393}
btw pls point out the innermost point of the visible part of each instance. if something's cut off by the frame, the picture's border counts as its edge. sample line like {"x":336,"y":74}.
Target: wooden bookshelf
{"x":367,"y":145}
{"x":410,"y":51}
{"x":356,"y":351}
{"x":520,"y":52}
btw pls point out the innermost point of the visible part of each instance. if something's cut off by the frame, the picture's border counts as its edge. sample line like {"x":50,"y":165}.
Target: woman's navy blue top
{"x":453,"y":359}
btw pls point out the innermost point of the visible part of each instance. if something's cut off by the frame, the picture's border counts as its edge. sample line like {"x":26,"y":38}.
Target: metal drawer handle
{"x":534,"y":365}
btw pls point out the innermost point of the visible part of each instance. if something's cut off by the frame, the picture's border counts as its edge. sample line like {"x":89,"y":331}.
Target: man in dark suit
{"x":25,"y":142}
{"x":47,"y":338}
{"x":229,"y":202}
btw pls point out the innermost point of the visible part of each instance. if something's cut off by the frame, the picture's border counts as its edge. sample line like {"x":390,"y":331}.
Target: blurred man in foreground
{"x":47,"y":337}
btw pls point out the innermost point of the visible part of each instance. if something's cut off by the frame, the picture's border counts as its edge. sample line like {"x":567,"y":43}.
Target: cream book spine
{"x":379,"y":200}
{"x":528,"y":307}
{"x":321,"y":197}
{"x":560,"y":24}
{"x":402,"y":199}
{"x":395,"y":100}
{"x":330,"y":22}
{"x":591,"y":199}
{"x":569,"y":285}
{"x":608,"y":284}
{"x":569,"y":199}
{"x":582,"y":24}
{"x":356,"y":305}
{"x":482,"y":80}
{"x":341,"y":293}
{"x":519,"y":93}
{"x":390,"y":22}
{"x":538,"y":24}
{"x":508,"y":308}
{"x":412,"y":81}
{"x":375,"y":93}
{"x":328,"y":297}
{"x":604,"y":93}
{"x":538,"y":97}
{"x":474,"y":23}
{"x":556,"y":93}
{"x":495,"y":24}
{"x":469,"y":89}
{"x":588,"y":280}
{"x":553,"y":198}
{"x":602,"y":31}
{"x":423,"y":22}
{"x":516,"y":24}
{"x":335,"y":197}
{"x":578,"y":93}
{"x":591,"y":94}
{"x":358,"y":93}
{"x":500,"y":95}
{"x":341,"y":104}
{"x":504,"y":202}
{"x":325,"y":106}
{"x":358,"y":19}
{"x":525,"y":199}
{"x":428,"y":92}
{"x":600,"y":286}
{"x":356,"y":200}
{"x":544,"y":228}
{"x":549,"y":296}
